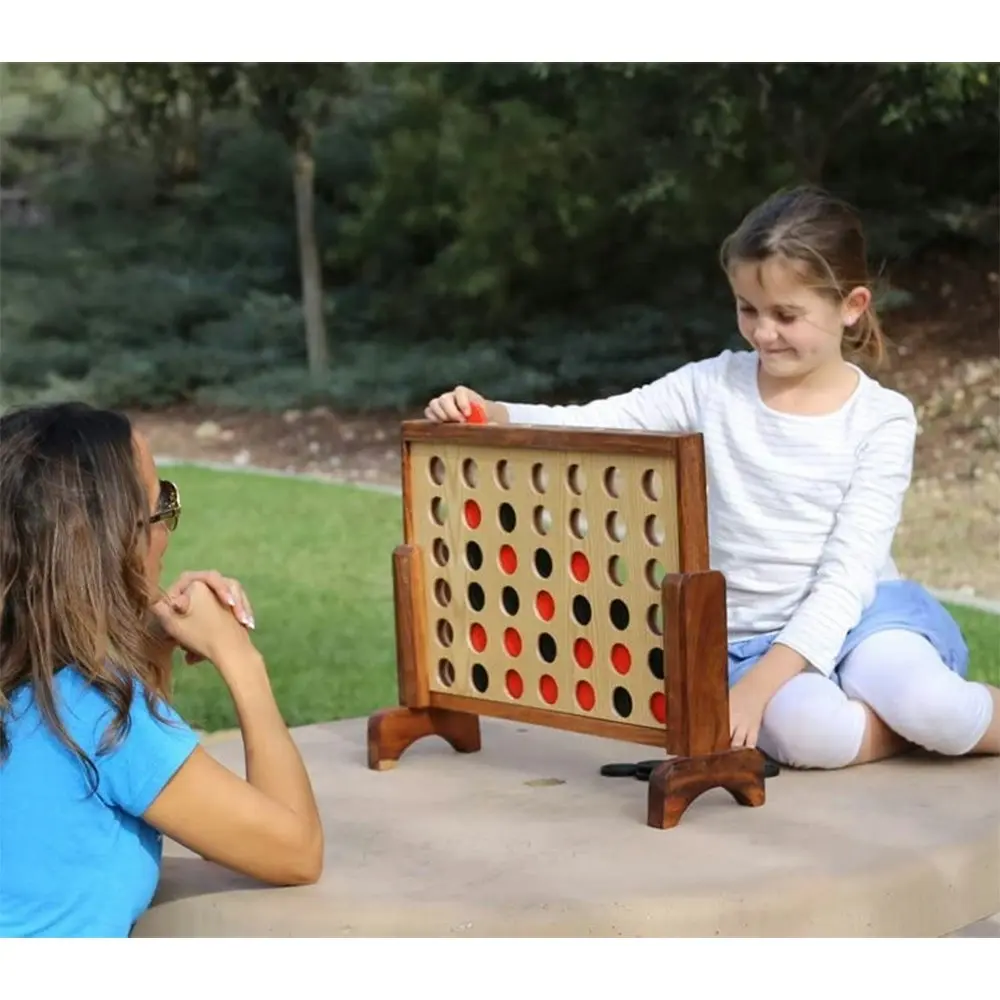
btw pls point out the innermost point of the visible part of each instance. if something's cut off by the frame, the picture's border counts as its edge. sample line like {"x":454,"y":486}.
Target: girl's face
{"x":159,"y":536}
{"x":793,"y":328}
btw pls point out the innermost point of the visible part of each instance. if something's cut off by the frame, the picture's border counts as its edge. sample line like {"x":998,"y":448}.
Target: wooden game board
{"x":560,"y":577}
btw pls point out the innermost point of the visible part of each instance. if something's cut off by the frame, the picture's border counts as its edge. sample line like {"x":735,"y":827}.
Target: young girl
{"x":833,"y":659}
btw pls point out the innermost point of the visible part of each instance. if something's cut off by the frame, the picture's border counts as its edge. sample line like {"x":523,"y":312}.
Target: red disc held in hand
{"x":621,"y":658}
{"x":658,"y":706}
{"x":579,"y":567}
{"x":585,"y":696}
{"x":508,"y":559}
{"x":545,"y":605}
{"x":548,"y":689}
{"x":512,"y":641}
{"x":514,"y":684}
{"x":473,"y":515}
{"x":583,"y":652}
{"x":478,"y":414}
{"x":477,"y":637}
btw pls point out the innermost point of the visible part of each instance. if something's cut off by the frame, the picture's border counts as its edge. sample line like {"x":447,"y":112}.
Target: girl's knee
{"x":948,"y":718}
{"x":908,"y":685}
{"x":811,"y":724}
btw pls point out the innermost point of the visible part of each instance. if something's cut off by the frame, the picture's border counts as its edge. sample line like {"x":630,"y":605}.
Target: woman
{"x":95,"y":766}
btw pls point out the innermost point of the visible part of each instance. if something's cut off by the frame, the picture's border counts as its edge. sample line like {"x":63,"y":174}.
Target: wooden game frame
{"x":697,"y":730}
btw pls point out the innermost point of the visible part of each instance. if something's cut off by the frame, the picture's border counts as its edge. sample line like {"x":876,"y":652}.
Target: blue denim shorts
{"x":898,"y":604}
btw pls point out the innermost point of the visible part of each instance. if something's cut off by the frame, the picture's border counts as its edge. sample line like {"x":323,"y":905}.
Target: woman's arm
{"x":267,"y":826}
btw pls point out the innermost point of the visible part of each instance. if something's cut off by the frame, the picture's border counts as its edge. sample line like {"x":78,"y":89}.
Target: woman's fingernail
{"x":248,"y":620}
{"x":232,"y":599}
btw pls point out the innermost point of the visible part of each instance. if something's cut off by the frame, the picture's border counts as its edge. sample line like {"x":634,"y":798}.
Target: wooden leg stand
{"x":676,"y":783}
{"x":697,"y":687}
{"x":393,"y":731}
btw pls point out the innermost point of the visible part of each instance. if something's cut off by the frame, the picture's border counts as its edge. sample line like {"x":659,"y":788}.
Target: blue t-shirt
{"x":75,"y":864}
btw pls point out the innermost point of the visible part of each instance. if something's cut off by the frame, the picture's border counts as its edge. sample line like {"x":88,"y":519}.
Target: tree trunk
{"x":312,"y":279}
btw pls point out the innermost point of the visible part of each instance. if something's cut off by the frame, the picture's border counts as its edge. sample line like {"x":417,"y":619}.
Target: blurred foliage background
{"x":363,"y":235}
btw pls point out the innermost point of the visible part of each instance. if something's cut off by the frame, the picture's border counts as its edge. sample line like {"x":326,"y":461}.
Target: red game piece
{"x":478,"y":415}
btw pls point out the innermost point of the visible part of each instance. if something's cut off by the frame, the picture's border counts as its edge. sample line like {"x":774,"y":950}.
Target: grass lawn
{"x":316,"y":562}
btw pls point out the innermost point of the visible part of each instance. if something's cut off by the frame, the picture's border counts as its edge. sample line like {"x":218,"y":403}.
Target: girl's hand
{"x":456,"y":406}
{"x":749,"y":697}
{"x":746,"y":711}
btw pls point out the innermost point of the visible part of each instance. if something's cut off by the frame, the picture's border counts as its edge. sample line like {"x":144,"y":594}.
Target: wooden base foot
{"x":393,"y":731}
{"x":676,"y":783}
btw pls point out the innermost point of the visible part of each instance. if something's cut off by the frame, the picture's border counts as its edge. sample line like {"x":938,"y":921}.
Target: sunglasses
{"x":168,"y":507}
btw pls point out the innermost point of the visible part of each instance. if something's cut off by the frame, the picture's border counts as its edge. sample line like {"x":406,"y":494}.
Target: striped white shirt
{"x":802,"y":509}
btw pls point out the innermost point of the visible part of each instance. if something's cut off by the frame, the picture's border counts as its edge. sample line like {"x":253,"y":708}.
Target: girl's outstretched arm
{"x":671,"y":404}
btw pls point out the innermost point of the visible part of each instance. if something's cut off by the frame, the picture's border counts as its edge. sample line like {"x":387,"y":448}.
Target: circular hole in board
{"x":545,"y":605}
{"x":583,"y":653}
{"x":543,"y":563}
{"x":439,"y":510}
{"x":655,"y":574}
{"x":618,"y":571}
{"x":442,"y":592}
{"x":473,"y":514}
{"x":655,"y":661}
{"x":547,"y":647}
{"x":507,"y":517}
{"x":470,"y":473}
{"x":621,"y":658}
{"x":658,"y":707}
{"x":654,"y":619}
{"x":622,"y":701}
{"x":585,"y":696}
{"x":440,"y":552}
{"x":539,"y":478}
{"x":613,"y":481}
{"x":436,"y":470}
{"x":614,"y":523}
{"x":510,"y":601}
{"x":508,"y":560}
{"x":575,"y":479}
{"x":513,"y":684}
{"x":446,"y":672}
{"x":654,"y":530}
{"x":473,"y":555}
{"x":542,"y":520}
{"x":548,"y":689}
{"x":505,"y":474}
{"x":512,"y":642}
{"x":619,"y":614}
{"x":477,"y":637}
{"x":578,"y":523}
{"x":581,"y":610}
{"x":480,"y":678}
{"x":477,"y":598}
{"x":445,"y":633}
{"x":652,"y":484}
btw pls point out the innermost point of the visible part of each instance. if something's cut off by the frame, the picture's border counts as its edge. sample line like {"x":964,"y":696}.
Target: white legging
{"x":813,"y":723}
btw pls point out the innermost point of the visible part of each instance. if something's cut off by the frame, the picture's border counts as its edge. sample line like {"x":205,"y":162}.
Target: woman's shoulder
{"x":85,"y":708}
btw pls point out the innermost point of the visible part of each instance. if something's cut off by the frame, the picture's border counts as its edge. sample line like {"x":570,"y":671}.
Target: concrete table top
{"x":525,"y":838}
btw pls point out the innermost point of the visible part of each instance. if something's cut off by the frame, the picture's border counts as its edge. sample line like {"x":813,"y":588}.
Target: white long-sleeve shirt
{"x":802,"y":509}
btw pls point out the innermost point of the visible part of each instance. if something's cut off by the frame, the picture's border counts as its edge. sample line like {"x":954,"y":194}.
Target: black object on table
{"x":644,"y":768}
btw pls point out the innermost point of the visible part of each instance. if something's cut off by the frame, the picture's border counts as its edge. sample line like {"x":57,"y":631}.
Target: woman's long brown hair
{"x":74,"y":525}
